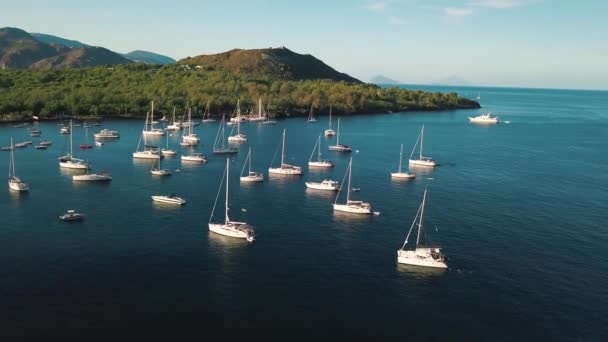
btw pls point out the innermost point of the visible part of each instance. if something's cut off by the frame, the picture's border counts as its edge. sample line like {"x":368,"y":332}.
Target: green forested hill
{"x":128,"y":89}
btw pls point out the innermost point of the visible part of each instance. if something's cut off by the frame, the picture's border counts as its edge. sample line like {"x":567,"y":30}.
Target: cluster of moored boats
{"x":420,"y":255}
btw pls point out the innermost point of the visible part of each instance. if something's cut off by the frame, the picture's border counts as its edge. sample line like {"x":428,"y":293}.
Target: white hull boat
{"x":151,"y":131}
{"x":327,"y":185}
{"x":14,"y":182}
{"x":146,"y":155}
{"x":194,"y":157}
{"x":350,"y":206}
{"x":399,"y":174}
{"x":339,"y":147}
{"x":69,"y":162}
{"x":107,"y":134}
{"x":219,"y":146}
{"x":93,"y":177}
{"x":484,"y":119}
{"x":422,"y":160}
{"x":285,"y":169}
{"x":425,"y":256}
{"x":319,"y":163}
{"x":171,"y":199}
{"x":239,"y":137}
{"x":251,"y":176}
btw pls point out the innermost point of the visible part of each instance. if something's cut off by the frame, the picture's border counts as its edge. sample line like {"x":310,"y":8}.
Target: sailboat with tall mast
{"x":148,"y":152}
{"x":425,"y":256}
{"x":151,"y":130}
{"x":339,"y":147}
{"x":260,"y":116}
{"x":350,"y":206}
{"x":399,"y":174}
{"x":268,"y":120}
{"x":158,"y":170}
{"x":329,"y":132}
{"x":239,"y":137}
{"x":189,"y":137}
{"x":15,"y":183}
{"x":194,"y":156}
{"x":167,"y":151}
{"x":319,"y":162}
{"x":422,"y":160}
{"x":86,"y":144}
{"x":251,"y":176}
{"x":284,"y":168}
{"x":241,"y":230}
{"x":69,"y":161}
{"x":207,"y":115}
{"x":219,"y":145}
{"x":311,"y":117}
{"x":173,"y":125}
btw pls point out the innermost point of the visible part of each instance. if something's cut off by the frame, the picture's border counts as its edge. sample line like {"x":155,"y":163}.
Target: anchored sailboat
{"x":260,"y":116}
{"x":268,"y":120}
{"x":311,"y":117}
{"x":158,"y":170}
{"x":239,"y":137}
{"x":149,"y":151}
{"x":354,"y":207}
{"x":251,"y":176}
{"x":319,"y":162}
{"x":167,"y":151}
{"x":426,"y":256}
{"x":68,"y":161}
{"x":399,"y":174}
{"x":219,"y":146}
{"x":329,"y":132}
{"x":194,"y":157}
{"x":14,"y":182}
{"x":339,"y":147}
{"x":151,"y":130}
{"x":422,"y":160}
{"x":240,"y":230}
{"x":207,"y":115}
{"x":174,"y":125}
{"x":86,"y":144}
{"x":285,"y":169}
{"x":189,"y":137}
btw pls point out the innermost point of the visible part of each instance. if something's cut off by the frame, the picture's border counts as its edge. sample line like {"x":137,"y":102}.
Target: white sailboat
{"x":167,"y":151}
{"x":158,"y":170}
{"x":339,"y":147}
{"x":268,"y":120}
{"x":478,"y":96}
{"x":311,"y":117}
{"x":93,"y":177}
{"x":422,"y":160}
{"x":251,"y":176}
{"x":69,"y":161}
{"x":194,"y":157}
{"x":319,"y":162}
{"x":235,"y":229}
{"x":329,"y":132}
{"x":285,"y":169}
{"x":426,"y":256}
{"x":174,"y":125}
{"x":486,"y":118}
{"x":219,"y":145}
{"x":239,"y":137}
{"x":207,"y":115}
{"x":326,"y":184}
{"x":151,"y":130}
{"x":399,"y":174}
{"x":189,"y":137}
{"x":14,"y":182}
{"x":260,"y":117}
{"x":149,"y":151}
{"x":354,"y":207}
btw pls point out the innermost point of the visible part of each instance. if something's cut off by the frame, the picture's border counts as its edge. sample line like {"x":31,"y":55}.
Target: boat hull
{"x":253,"y":179}
{"x":321,"y":186}
{"x":168,"y":152}
{"x":18,"y":186}
{"x":157,"y":133}
{"x":340,"y":148}
{"x":413,"y":258}
{"x":72,"y":165}
{"x":320,"y":164}
{"x":144,"y":155}
{"x":353,"y":209}
{"x":169,"y":200}
{"x":330,"y":132}
{"x":226,"y":151}
{"x":230,"y":230}
{"x":425,"y":163}
{"x":194,"y":159}
{"x":403,"y":175}
{"x":92,"y":178}
{"x":284,"y":171}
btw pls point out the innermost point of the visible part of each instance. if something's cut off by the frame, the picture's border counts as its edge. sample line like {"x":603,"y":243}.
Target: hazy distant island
{"x":48,"y":76}
{"x":381,"y":79}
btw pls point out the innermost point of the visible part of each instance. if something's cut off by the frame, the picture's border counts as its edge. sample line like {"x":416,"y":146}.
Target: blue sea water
{"x":519,"y":208}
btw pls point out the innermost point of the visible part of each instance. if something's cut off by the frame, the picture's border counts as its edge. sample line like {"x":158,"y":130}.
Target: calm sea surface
{"x":521,"y":210}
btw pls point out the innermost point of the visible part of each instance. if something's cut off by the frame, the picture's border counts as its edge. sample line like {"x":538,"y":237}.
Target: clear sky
{"x":523,"y":43}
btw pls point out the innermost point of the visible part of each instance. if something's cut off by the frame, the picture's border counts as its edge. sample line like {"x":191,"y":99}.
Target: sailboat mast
{"x":330,"y":108}
{"x":283,"y":149}
{"x":319,"y":149}
{"x":11,"y":166}
{"x":421,"y":217}
{"x":350,"y":171}
{"x":227,"y":181}
{"x":421,"y":140}
{"x":71,"y":147}
{"x":338,"y":135}
{"x":249,"y":160}
{"x":400,"y":157}
{"x":152,"y":118}
{"x":260,"y":107}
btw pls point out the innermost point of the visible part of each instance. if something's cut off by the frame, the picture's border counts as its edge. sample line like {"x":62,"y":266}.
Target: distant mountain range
{"x":275,"y":62}
{"x":22,"y":50}
{"x":380,"y":79}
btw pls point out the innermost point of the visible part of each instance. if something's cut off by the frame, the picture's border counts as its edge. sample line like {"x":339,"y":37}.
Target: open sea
{"x":521,"y":210}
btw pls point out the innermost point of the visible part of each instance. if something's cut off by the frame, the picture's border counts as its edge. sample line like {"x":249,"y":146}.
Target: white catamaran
{"x":329,"y":132}
{"x":151,"y":130}
{"x":319,"y":162}
{"x":339,"y":147}
{"x":399,"y":174}
{"x":14,"y":182}
{"x":239,"y":137}
{"x":426,"y":256}
{"x":285,"y":169}
{"x":251,"y":176}
{"x":219,"y":146}
{"x":69,"y":161}
{"x":354,"y":207}
{"x":240,"y":230}
{"x":422,"y":160}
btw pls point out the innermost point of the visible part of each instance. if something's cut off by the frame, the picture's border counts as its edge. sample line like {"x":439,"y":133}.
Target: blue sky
{"x":522,"y":43}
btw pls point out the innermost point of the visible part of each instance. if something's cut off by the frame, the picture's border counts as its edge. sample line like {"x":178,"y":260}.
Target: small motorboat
{"x":72,"y":215}
{"x":170,"y":199}
{"x":41,"y":147}
{"x":98,"y":143}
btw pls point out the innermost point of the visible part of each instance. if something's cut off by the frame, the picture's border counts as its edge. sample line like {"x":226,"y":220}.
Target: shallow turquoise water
{"x":520,"y":209}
